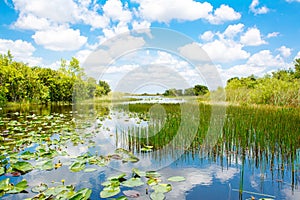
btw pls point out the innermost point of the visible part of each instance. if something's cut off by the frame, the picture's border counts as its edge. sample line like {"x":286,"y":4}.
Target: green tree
{"x":105,"y":86}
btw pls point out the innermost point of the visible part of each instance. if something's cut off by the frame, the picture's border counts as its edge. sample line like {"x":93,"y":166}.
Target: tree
{"x":200,"y":90}
{"x":105,"y":86}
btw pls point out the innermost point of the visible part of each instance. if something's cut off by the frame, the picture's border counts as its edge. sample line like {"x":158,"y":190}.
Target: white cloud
{"x":222,"y":14}
{"x":207,"y":36}
{"x":31,"y":22}
{"x":285,"y":51}
{"x":265,"y":58}
{"x":273,"y":34}
{"x":69,"y":12}
{"x":254,"y":8}
{"x":167,"y":10}
{"x":232,"y":30}
{"x":49,"y":9}
{"x":225,"y":51}
{"x":298,"y":55}
{"x":21,"y":50}
{"x":60,"y":39}
{"x":252,"y":37}
{"x":115,"y":10}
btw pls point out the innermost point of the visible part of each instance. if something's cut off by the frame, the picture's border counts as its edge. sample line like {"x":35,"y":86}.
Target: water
{"x":255,"y":156}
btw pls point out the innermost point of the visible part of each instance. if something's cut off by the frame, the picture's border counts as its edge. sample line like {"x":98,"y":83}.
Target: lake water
{"x":222,"y":152}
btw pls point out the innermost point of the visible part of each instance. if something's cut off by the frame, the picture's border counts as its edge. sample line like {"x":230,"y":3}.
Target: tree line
{"x":281,"y":88}
{"x":197,"y":90}
{"x":22,"y":83}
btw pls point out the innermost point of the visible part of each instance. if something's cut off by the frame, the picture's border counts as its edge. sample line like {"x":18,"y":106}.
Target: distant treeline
{"x":21,"y":83}
{"x":281,"y":88}
{"x":197,"y":90}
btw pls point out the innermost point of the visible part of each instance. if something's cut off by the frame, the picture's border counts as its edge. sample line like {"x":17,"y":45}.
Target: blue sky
{"x":241,"y":37}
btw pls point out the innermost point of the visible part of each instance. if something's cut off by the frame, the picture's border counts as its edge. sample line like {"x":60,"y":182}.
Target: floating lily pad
{"x":118,"y":177}
{"x":90,"y":170}
{"x":22,"y":166}
{"x":19,"y":187}
{"x":153,"y":181}
{"x":39,"y":188}
{"x":137,"y":172}
{"x":82,"y":194}
{"x":162,"y":188}
{"x":157,"y":196}
{"x":109,"y":192}
{"x":176,"y":178}
{"x":77,"y":166}
{"x":2,"y":171}
{"x":133,"y":182}
{"x":152,"y":174}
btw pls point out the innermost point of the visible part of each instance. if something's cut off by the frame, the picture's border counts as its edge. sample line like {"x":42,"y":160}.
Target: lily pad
{"x":137,"y":172}
{"x":162,"y":188}
{"x":19,"y":187}
{"x":118,"y":177}
{"x":22,"y":166}
{"x":4,"y":185}
{"x":176,"y":178}
{"x":90,"y":170}
{"x":157,"y":196}
{"x":77,"y":166}
{"x":82,"y":194}
{"x":47,"y":165}
{"x":153,"y":181}
{"x":39,"y":188}
{"x":152,"y":174}
{"x":133,"y":182}
{"x":109,"y":192}
{"x":2,"y":171}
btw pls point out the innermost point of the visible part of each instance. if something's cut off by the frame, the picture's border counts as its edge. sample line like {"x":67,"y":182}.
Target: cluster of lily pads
{"x":33,"y":142}
{"x":155,"y":188}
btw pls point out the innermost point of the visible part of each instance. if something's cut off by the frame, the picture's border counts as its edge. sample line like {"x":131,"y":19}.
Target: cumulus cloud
{"x":48,"y":12}
{"x":232,"y":30}
{"x":222,"y":14}
{"x":252,"y":37}
{"x":60,"y":39}
{"x":207,"y":36}
{"x":115,"y":10}
{"x":285,"y":51}
{"x":21,"y":50}
{"x":167,"y":10}
{"x":258,"y":10}
{"x":225,"y":51}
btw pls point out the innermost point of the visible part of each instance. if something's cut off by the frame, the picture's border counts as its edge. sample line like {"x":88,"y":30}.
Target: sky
{"x":241,"y":38}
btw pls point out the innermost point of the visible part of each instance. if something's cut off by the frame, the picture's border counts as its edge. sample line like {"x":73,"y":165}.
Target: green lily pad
{"x":90,"y":170}
{"x":176,"y":178}
{"x":39,"y":188}
{"x":47,"y":165}
{"x":4,"y":185}
{"x":2,"y":171}
{"x":27,"y":155}
{"x":118,"y":177}
{"x":162,"y":188}
{"x":152,"y":174}
{"x":157,"y":196}
{"x":137,"y":172}
{"x":19,"y":187}
{"x":22,"y":166}
{"x":82,"y":194}
{"x":77,"y":166}
{"x":153,"y":181}
{"x":109,"y":192}
{"x":133,"y":182}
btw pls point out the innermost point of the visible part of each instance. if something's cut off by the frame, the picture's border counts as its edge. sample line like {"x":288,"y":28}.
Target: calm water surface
{"x":256,"y":153}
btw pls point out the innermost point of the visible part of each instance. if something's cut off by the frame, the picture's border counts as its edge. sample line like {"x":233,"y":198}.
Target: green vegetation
{"x":282,"y":88}
{"x":197,"y":90}
{"x":21,"y":83}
